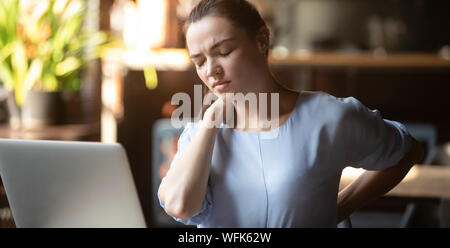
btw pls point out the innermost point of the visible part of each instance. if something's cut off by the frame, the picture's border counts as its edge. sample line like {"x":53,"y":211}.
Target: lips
{"x":220,"y":83}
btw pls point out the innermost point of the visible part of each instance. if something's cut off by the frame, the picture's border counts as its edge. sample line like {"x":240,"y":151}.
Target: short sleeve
{"x":372,"y":143}
{"x":183,"y":142}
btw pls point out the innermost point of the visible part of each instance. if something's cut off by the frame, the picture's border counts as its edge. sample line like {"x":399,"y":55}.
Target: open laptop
{"x":69,"y":184}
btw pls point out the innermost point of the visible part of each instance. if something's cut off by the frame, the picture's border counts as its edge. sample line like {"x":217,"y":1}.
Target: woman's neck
{"x":265,"y":108}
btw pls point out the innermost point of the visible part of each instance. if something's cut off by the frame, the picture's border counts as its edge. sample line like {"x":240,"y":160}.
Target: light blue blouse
{"x":292,"y":180}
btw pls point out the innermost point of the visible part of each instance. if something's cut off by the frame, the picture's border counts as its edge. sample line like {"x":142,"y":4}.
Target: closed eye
{"x":225,"y":54}
{"x":200,"y":65}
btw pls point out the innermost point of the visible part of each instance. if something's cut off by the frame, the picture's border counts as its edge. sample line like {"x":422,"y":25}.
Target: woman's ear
{"x":263,"y":40}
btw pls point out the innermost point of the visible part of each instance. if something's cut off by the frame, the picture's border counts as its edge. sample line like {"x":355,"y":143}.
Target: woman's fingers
{"x":220,"y":111}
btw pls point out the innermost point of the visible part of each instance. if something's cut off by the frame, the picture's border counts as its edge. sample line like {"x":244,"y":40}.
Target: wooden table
{"x":421,"y":182}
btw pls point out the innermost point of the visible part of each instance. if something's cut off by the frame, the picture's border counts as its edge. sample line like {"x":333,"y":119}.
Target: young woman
{"x":233,"y":177}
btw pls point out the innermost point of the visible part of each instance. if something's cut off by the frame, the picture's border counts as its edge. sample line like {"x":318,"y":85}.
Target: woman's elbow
{"x":179,"y":209}
{"x":174,"y":205}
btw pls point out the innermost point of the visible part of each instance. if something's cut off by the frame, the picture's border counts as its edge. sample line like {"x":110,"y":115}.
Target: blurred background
{"x":105,"y":70}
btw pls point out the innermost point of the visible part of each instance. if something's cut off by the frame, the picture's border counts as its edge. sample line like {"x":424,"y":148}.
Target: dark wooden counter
{"x":408,"y":60}
{"x":85,"y":132}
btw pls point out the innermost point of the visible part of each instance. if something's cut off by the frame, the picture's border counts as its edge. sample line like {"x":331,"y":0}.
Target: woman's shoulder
{"x":322,"y":102}
{"x":323,"y":109}
{"x":347,"y":112}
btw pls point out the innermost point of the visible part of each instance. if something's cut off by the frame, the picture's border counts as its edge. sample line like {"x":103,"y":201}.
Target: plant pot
{"x":14,"y":111}
{"x":72,"y":107}
{"x":42,"y":109}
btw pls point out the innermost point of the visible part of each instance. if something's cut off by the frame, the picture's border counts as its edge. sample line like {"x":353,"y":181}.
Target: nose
{"x":214,"y":70}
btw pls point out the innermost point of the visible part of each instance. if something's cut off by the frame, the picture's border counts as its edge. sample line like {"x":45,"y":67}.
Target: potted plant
{"x":43,"y":50}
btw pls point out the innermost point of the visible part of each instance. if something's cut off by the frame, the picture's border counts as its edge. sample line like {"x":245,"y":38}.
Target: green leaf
{"x":19,"y":63}
{"x":49,"y":83}
{"x":6,"y":77}
{"x":20,"y":94}
{"x":6,"y":72}
{"x":33,"y":75}
{"x":69,"y":65}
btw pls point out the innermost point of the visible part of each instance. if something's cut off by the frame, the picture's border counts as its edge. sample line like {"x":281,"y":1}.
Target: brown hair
{"x":240,"y":12}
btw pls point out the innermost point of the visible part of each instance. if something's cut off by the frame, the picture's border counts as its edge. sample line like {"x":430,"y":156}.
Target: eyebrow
{"x":213,"y":46}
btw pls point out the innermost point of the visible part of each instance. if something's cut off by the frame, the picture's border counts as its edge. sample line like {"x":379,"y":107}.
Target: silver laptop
{"x":69,"y":184}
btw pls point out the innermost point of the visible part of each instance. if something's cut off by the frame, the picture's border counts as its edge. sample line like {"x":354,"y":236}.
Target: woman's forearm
{"x":373,"y":184}
{"x":183,"y":188}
